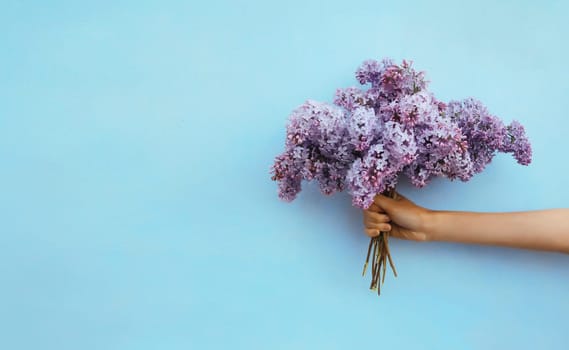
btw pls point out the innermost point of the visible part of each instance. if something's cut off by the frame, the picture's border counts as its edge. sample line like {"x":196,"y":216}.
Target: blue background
{"x":136,"y":208}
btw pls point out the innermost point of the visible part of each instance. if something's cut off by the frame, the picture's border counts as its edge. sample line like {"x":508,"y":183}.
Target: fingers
{"x":380,"y":226}
{"x":375,"y":222}
{"x":376,"y":208}
{"x":371,"y":232}
{"x":373,"y":217}
{"x":383,"y":202}
{"x":375,"y":229}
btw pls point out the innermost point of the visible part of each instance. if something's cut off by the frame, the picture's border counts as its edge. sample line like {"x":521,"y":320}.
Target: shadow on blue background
{"x":136,"y":206}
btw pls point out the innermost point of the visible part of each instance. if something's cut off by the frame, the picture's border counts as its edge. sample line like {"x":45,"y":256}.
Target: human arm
{"x":539,"y":229}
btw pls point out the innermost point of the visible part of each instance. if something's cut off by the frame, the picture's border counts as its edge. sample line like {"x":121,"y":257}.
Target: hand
{"x":546,"y":229}
{"x":401,"y":217}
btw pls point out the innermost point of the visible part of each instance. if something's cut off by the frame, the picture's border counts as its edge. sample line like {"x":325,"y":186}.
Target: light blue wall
{"x":136,"y":209}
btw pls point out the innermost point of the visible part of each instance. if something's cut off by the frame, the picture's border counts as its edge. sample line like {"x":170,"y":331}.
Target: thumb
{"x":384,"y":202}
{"x":399,"y":196}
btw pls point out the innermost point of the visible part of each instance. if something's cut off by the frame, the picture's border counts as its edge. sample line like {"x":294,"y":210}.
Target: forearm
{"x":541,"y":230}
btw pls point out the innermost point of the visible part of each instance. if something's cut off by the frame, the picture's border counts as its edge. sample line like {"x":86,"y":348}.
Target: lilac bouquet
{"x":394,"y":126}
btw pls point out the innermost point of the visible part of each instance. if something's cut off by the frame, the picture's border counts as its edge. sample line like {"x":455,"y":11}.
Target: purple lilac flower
{"x":286,"y":172}
{"x":369,"y":175}
{"x":317,"y":148}
{"x":400,"y":142}
{"x":363,"y":128}
{"x":371,"y":71}
{"x":351,"y":98}
{"x":484,"y":132}
{"x":391,"y":79}
{"x":516,"y":142}
{"x":368,"y":137}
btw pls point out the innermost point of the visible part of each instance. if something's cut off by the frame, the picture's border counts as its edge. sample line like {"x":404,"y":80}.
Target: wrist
{"x":428,"y":223}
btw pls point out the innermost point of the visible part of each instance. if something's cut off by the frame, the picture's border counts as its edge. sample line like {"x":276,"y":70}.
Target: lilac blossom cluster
{"x":369,"y":137}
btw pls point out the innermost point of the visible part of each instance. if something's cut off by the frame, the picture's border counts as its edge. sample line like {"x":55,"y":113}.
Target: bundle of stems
{"x":380,"y":255}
